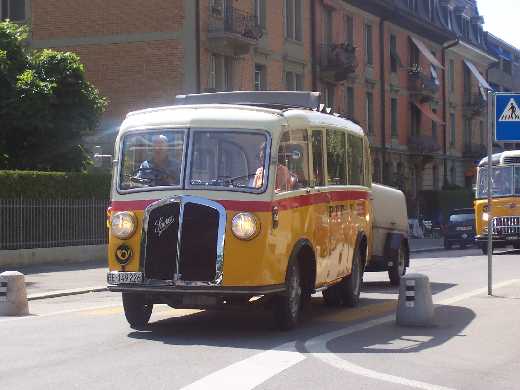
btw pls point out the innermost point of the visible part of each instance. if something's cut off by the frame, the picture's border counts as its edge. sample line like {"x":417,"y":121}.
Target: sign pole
{"x":491,"y":120}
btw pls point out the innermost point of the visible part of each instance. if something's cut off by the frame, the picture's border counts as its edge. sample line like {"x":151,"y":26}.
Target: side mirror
{"x":99,"y":156}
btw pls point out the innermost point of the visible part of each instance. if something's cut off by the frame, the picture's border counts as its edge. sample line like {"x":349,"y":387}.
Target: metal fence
{"x":28,"y":223}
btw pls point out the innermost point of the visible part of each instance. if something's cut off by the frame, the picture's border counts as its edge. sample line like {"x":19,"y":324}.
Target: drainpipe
{"x":383,"y":97}
{"x":445,"y":108}
{"x":197,"y":43}
{"x":314,"y":69}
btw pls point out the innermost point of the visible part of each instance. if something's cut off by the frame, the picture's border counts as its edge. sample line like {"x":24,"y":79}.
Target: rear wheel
{"x":288,"y":306}
{"x":351,"y":285}
{"x":137,"y":310}
{"x":399,"y":268}
{"x":516,"y":246}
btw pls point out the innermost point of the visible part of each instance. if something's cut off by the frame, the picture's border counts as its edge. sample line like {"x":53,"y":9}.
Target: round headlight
{"x":485,"y":217}
{"x":123,"y":224}
{"x":245,"y":226}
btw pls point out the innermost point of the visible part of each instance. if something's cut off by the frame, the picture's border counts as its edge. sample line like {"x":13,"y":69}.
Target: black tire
{"x":398,"y":270}
{"x":484,"y":248}
{"x":447,"y":244}
{"x":137,"y":310}
{"x":516,"y":246}
{"x":288,"y":306}
{"x":351,"y":285}
{"x":332,"y":296}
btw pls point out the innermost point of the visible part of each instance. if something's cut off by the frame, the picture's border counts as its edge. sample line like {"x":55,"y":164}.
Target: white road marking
{"x":317,"y":346}
{"x":253,"y":371}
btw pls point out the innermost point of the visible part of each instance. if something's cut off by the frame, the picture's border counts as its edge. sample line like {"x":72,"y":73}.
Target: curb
{"x":436,"y":249}
{"x":64,"y":293}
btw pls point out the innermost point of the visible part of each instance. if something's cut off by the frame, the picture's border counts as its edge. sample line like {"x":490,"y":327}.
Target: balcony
{"x":421,"y":86}
{"x":423,"y":145}
{"x":231,"y":31}
{"x":337,"y":61}
{"x":474,"y":105}
{"x":474,"y":151}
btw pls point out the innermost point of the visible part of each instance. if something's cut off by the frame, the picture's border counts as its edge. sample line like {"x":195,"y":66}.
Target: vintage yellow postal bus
{"x":228,"y":198}
{"x":505,"y":206}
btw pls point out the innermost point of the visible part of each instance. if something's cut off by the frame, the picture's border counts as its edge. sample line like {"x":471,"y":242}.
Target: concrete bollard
{"x":13,"y":295}
{"x":415,"y":306}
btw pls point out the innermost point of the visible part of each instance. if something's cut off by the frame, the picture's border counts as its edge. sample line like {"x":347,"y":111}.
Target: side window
{"x":336,"y":157}
{"x":292,"y":171}
{"x":368,"y":164}
{"x":317,"y":158}
{"x":355,"y":160}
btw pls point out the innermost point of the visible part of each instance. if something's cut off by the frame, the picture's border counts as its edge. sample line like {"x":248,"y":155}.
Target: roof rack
{"x":269,"y":99}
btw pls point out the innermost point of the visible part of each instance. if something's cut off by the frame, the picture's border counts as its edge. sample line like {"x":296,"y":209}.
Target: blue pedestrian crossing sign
{"x":507,"y":115}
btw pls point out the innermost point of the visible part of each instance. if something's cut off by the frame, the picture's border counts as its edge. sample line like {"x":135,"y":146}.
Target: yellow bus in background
{"x":505,"y":206}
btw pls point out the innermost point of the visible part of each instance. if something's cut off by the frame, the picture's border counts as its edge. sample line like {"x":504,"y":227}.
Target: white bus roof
{"x":506,"y":157}
{"x":240,"y":116}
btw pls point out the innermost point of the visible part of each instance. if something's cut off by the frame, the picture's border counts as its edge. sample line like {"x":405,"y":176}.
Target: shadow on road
{"x":391,"y":338}
{"x":385,"y":288}
{"x":255,"y":329}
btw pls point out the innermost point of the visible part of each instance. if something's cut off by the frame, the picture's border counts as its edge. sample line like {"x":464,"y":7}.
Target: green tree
{"x":46,"y":106}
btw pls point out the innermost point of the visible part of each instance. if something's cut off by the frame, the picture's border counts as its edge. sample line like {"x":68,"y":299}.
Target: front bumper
{"x":499,"y":238}
{"x":199,"y":290}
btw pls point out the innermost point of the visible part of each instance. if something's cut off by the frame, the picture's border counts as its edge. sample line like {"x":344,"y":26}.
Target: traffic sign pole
{"x":491,"y":121}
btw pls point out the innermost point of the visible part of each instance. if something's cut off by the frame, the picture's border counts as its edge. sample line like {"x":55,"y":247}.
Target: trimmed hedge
{"x":54,"y":185}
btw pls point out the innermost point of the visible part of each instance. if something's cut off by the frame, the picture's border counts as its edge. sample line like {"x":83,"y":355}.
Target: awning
{"x":426,"y":52}
{"x":481,"y":80}
{"x":426,"y":110}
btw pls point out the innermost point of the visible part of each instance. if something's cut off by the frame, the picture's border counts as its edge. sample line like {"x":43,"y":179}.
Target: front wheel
{"x":398,"y":269}
{"x":137,"y":310}
{"x":288,"y":306}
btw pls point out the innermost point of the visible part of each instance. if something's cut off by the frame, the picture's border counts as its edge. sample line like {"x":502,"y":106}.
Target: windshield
{"x":458,"y":218}
{"x":503,"y":179}
{"x":152,"y":160}
{"x":234,"y":160}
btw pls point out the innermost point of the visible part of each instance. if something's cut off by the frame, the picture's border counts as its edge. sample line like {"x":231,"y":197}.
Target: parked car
{"x":460,"y":229}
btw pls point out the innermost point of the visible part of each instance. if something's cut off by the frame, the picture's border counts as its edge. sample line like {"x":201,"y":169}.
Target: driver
{"x":161,"y":169}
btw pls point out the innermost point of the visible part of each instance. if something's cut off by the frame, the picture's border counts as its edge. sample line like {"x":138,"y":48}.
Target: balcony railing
{"x":424,"y":87}
{"x":474,"y":105}
{"x":337,"y":61}
{"x":232,"y":31}
{"x":474,"y":151}
{"x":423,"y":145}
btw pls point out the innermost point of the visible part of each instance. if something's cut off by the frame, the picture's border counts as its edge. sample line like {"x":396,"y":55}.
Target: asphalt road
{"x":84,"y":341}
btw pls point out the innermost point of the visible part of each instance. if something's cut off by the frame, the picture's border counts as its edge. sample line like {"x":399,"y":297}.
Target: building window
{"x":349,"y":101}
{"x":507,"y":67}
{"x":414,"y":55}
{"x":467,"y":84}
{"x":369,"y":50}
{"x":212,"y":77}
{"x":412,"y":4}
{"x":434,"y":127}
{"x":393,"y":117}
{"x":452,"y":129}
{"x":293,"y":19}
{"x":393,"y":53}
{"x":327,"y":25}
{"x":13,"y":10}
{"x":260,"y":78}
{"x":260,"y":13}
{"x":294,"y":81}
{"x":370,"y":113}
{"x":328,"y":96}
{"x":451,"y":75}
{"x":453,"y":174}
{"x":349,"y":29}
{"x":415,"y":120}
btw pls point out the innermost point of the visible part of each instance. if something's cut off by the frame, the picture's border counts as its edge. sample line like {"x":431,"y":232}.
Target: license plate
{"x":124,"y":277}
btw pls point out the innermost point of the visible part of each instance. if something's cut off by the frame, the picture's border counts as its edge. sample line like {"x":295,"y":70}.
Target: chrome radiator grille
{"x":506,"y":225}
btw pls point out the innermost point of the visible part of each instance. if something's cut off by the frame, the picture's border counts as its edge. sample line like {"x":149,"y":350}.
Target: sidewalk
{"x":49,"y":281}
{"x":418,"y":245}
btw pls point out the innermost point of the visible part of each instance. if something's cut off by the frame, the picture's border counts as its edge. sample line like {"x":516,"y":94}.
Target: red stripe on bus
{"x":261,"y":206}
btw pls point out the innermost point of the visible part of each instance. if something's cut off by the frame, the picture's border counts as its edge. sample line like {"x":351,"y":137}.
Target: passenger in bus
{"x":285,"y":180}
{"x":162,"y":169}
